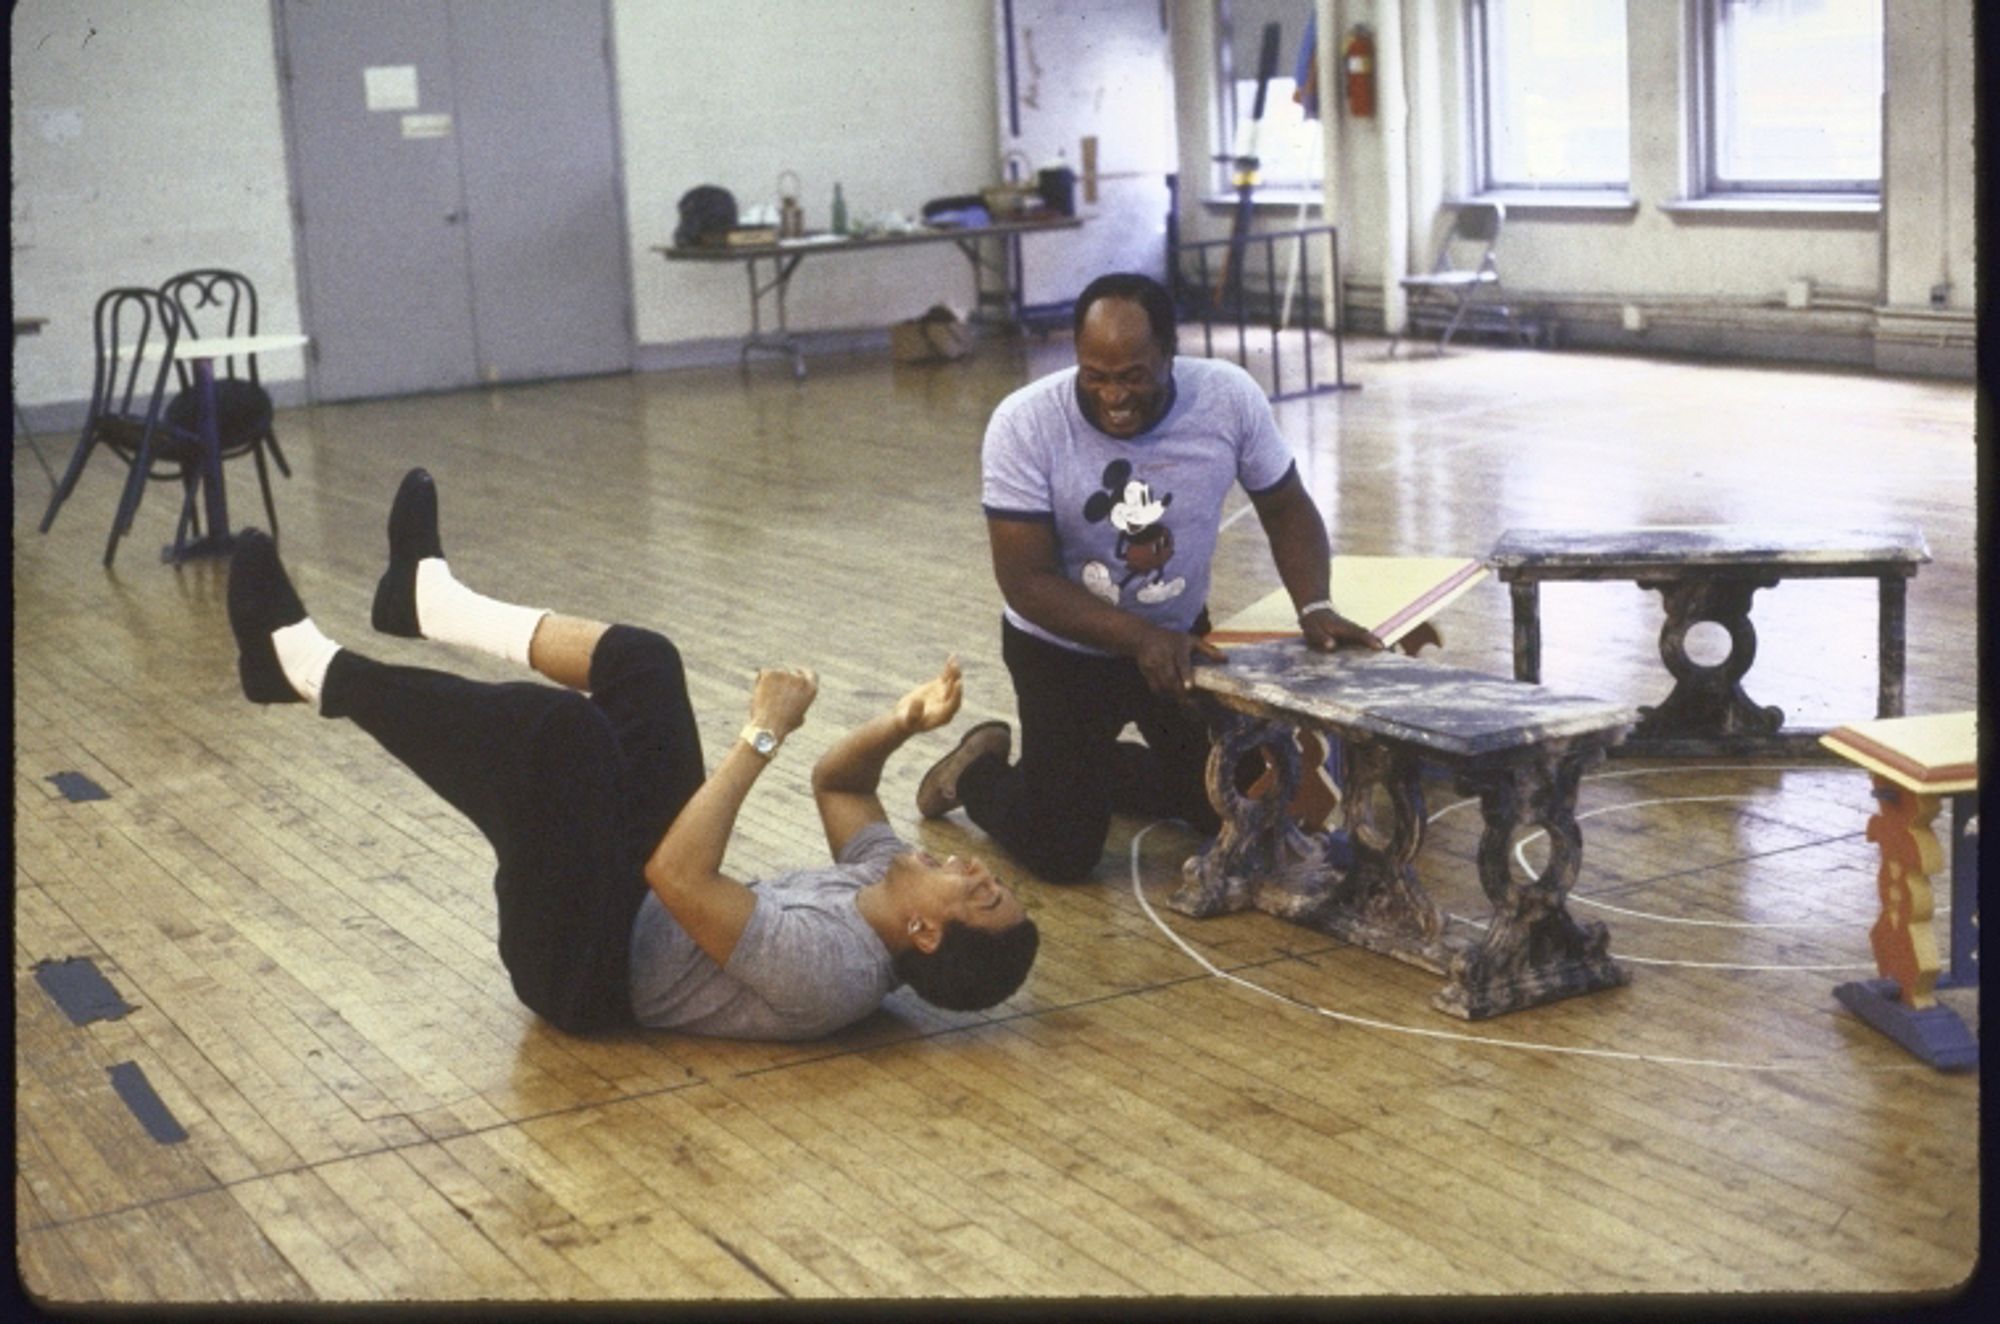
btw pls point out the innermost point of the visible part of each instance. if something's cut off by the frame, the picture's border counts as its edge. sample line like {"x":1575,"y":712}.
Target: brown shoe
{"x":937,"y":793}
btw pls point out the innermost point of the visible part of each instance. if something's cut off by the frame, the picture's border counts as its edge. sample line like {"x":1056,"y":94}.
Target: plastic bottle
{"x":839,"y":211}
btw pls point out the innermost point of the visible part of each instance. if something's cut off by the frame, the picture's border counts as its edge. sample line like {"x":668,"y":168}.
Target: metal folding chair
{"x":1465,"y":270}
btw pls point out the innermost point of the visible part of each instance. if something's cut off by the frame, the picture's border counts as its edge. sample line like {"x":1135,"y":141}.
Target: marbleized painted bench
{"x":1708,"y":573}
{"x":1519,"y":748}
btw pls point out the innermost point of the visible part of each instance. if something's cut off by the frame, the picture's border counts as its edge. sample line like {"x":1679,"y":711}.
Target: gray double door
{"x":455,"y":172}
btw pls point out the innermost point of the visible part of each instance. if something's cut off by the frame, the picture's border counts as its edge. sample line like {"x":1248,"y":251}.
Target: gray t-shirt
{"x":1135,"y":520}
{"x":806,"y":965}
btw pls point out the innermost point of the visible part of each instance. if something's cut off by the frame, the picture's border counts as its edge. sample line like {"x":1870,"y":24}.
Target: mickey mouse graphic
{"x":1145,"y":545}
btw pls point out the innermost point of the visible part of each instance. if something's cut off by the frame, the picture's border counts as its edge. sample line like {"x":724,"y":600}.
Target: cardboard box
{"x":938,"y":335}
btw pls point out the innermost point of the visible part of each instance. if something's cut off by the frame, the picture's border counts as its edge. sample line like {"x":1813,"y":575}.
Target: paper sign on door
{"x":390,"y":86}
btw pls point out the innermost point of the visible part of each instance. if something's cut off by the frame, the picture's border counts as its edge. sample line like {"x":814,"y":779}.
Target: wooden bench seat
{"x":1519,"y":748}
{"x":1708,"y":573}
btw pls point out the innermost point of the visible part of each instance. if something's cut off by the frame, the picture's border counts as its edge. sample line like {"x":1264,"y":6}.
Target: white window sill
{"x":1288,"y":199}
{"x":1773,"y":204}
{"x":1520,"y":200}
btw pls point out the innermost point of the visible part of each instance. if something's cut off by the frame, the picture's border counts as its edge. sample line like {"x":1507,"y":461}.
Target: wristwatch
{"x":760,"y":738}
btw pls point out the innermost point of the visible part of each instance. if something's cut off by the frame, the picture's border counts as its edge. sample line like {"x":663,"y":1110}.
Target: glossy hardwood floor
{"x":1169,"y":1107}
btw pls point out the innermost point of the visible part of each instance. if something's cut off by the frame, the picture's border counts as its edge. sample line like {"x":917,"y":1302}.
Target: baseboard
{"x":1712,"y":341}
{"x":727,"y":351}
{"x":1917,"y":342}
{"x":1914,"y":359}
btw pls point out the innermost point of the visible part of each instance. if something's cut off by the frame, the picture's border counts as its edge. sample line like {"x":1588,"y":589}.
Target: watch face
{"x":764,"y":742}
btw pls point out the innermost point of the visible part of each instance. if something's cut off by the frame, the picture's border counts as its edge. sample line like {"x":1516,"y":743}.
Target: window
{"x":1792,"y":96}
{"x":1287,"y":143}
{"x":1549,"y":94}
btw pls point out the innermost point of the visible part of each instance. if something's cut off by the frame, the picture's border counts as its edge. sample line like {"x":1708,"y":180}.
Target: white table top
{"x":221,"y":347}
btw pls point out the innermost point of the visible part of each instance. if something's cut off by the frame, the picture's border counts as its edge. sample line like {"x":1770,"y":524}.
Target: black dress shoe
{"x":413,"y":535}
{"x":261,"y":599}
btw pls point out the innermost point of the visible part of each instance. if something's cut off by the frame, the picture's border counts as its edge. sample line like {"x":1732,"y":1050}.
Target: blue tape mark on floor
{"x":76,"y":786}
{"x":129,"y":1079}
{"x":81,"y":990}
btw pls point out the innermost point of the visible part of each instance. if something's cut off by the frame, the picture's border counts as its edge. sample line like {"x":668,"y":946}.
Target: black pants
{"x":573,"y":792}
{"x":1052,"y":808}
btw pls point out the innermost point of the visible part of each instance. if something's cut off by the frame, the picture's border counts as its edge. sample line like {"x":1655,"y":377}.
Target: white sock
{"x":451,"y":613}
{"x":303,"y":655}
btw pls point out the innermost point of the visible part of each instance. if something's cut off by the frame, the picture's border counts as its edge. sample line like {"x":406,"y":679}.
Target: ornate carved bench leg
{"x":1893,"y":599}
{"x":1534,"y":951}
{"x":1527,"y":599}
{"x":1260,"y":857}
{"x":1707,"y":702}
{"x":1379,"y":904}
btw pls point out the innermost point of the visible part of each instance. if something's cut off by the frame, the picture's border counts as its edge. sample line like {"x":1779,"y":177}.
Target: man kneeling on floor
{"x":613,"y":908}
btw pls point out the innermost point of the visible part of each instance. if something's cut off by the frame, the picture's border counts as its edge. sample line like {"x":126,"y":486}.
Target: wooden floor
{"x":1217,"y":1108}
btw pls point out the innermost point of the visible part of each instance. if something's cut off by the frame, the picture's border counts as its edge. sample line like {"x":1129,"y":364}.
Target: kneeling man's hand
{"x":1167,"y":660}
{"x":933,"y":703}
{"x":1327,"y":630}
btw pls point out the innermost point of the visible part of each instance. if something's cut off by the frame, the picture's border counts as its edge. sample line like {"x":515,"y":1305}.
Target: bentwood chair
{"x":215,"y":303}
{"x":136,"y":330}
{"x":1465,"y":270}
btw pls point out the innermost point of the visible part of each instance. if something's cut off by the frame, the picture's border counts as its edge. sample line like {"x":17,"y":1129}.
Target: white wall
{"x":148,"y":138}
{"x":896,"y":100}
{"x":146,"y":141}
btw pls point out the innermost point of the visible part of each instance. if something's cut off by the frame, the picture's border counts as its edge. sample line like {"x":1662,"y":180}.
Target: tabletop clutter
{"x":710,"y":215}
{"x":711,"y":219}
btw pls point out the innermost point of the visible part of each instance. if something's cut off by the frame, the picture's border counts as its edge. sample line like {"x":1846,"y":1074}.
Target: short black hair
{"x":1148,"y":293}
{"x":971,"y":969}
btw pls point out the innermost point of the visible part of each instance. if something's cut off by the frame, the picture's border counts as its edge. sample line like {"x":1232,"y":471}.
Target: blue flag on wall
{"x":1305,"y":73}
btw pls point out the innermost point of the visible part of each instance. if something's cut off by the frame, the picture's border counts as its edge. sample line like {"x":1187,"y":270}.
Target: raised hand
{"x":933,"y":703}
{"x":780,"y":696}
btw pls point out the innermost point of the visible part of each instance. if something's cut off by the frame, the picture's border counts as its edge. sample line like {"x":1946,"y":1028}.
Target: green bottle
{"x":839,"y":211}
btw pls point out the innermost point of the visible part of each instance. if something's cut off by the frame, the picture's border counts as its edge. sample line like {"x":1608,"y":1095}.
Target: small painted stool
{"x":1915,"y":761}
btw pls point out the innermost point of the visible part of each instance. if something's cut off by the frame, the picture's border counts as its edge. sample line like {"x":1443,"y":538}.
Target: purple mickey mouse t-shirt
{"x":1136,"y":520}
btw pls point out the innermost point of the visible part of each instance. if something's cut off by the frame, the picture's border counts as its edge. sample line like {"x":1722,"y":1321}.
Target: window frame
{"x":1704,"y":39}
{"x":1228,"y":103}
{"x":1478,"y":120}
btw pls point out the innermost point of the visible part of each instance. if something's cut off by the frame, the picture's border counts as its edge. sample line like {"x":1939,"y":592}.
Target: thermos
{"x":1057,"y":185}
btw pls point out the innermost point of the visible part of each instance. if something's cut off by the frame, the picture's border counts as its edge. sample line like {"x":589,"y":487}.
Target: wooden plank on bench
{"x":1388,"y":595}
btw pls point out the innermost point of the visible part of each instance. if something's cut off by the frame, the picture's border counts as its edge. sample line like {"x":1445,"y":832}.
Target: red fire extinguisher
{"x":1357,"y":58}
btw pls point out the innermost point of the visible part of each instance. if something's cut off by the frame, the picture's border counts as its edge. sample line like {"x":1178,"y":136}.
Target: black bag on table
{"x":708,"y":214}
